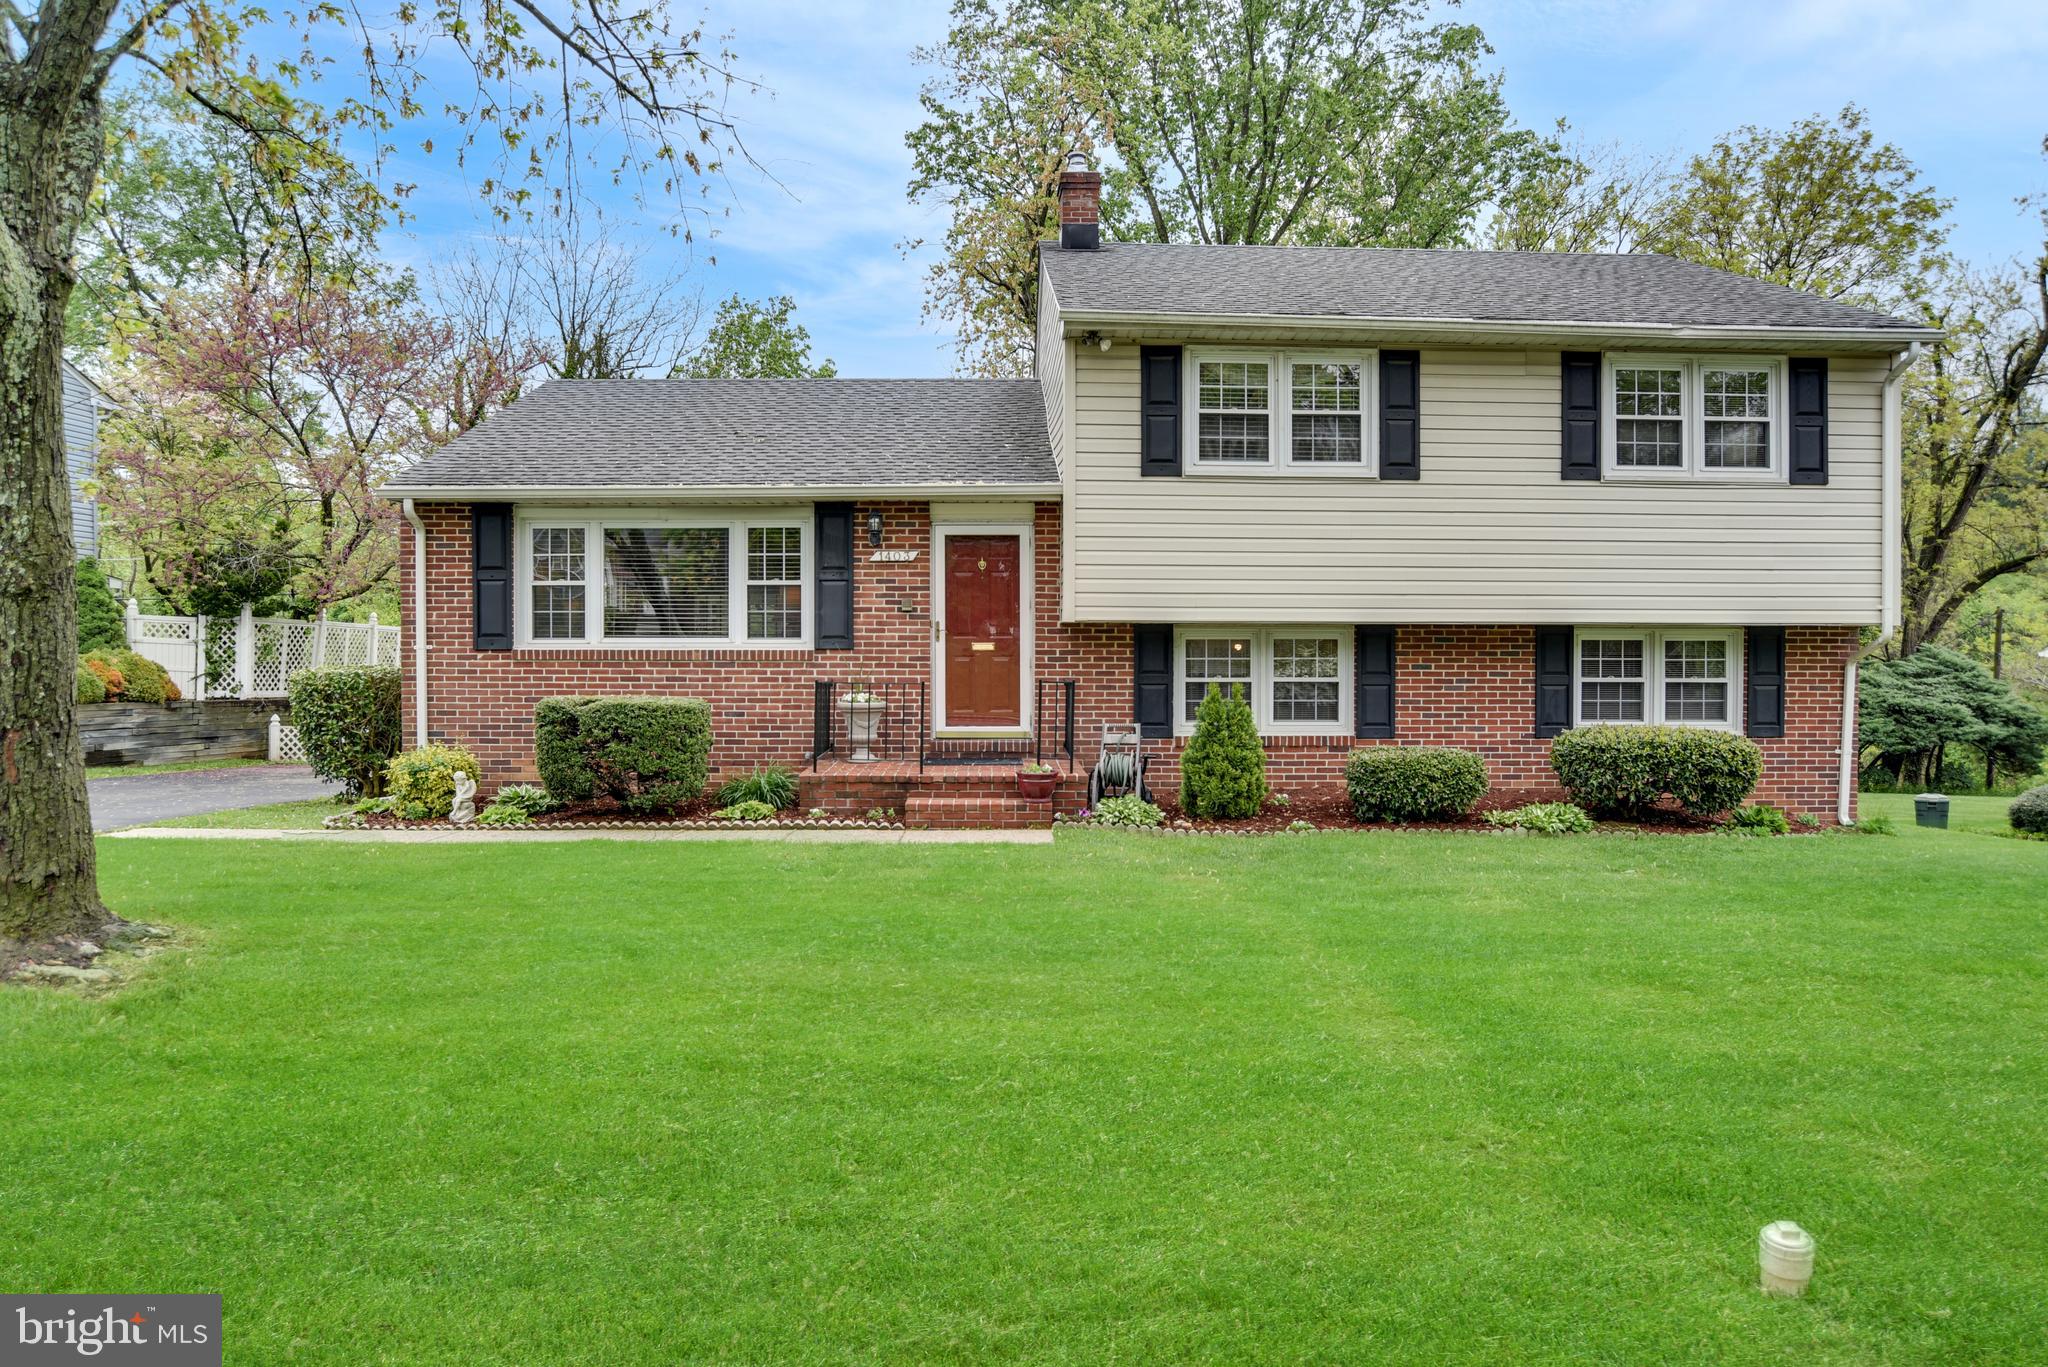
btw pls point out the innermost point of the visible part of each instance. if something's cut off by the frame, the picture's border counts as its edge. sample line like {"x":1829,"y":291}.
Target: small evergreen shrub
{"x":1413,"y":783}
{"x":2029,"y":811}
{"x":1625,"y":770}
{"x":422,"y":782}
{"x":91,"y":687}
{"x":646,"y":754}
{"x":1544,"y":818}
{"x":1223,"y":769}
{"x":1760,"y":819}
{"x":1128,"y":810}
{"x":349,"y":723}
{"x":746,"y":811}
{"x":773,"y":785}
{"x":131,"y":677}
{"x":101,"y":623}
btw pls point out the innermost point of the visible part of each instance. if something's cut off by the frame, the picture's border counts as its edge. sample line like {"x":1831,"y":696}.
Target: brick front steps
{"x":951,"y":797}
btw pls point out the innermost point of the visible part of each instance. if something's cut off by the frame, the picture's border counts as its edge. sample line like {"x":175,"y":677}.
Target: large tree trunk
{"x":49,"y":154}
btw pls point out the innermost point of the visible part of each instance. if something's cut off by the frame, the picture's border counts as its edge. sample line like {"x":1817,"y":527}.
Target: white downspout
{"x":1893,"y":462}
{"x":419,"y":619}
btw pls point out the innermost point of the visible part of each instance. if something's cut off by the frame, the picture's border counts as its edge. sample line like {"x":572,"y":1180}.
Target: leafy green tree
{"x":101,"y":625}
{"x":531,"y":78}
{"x":1822,"y":206}
{"x":1342,"y":122}
{"x":1910,"y":711}
{"x":756,"y":341}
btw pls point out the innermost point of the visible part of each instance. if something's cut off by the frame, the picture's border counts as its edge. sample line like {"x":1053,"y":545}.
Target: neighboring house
{"x":1402,"y":497}
{"x":83,"y":401}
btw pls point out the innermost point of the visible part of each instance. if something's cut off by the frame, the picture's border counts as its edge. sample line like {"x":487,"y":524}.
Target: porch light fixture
{"x":875,"y":528}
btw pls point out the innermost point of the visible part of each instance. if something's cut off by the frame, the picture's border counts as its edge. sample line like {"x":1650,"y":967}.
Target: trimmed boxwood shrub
{"x":1625,"y":770}
{"x":1413,"y":782}
{"x":2029,"y":811}
{"x":646,"y":754}
{"x":422,"y":782}
{"x":1223,"y":770}
{"x":349,"y":723}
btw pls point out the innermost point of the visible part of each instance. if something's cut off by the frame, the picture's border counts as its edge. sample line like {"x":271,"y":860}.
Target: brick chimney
{"x":1080,"y":204}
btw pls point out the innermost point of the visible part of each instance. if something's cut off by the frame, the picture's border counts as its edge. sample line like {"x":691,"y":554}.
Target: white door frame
{"x":1027,"y":633}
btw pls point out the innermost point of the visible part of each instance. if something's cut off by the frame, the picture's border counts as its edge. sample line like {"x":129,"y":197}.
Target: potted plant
{"x":1036,"y":781}
{"x":863,"y":708}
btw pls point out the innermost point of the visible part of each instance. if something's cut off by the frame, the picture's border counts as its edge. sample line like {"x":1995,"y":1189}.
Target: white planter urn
{"x":863,"y":722}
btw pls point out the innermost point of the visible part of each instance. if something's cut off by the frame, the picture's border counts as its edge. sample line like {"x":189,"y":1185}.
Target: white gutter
{"x":608,"y":494}
{"x":419,"y":623}
{"x":1893,"y":458}
{"x":1664,"y":332}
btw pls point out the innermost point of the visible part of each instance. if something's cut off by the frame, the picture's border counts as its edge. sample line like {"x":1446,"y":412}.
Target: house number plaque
{"x":892,"y":557}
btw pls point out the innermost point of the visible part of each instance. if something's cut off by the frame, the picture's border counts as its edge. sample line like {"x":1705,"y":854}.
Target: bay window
{"x":1281,"y":412}
{"x":1297,"y":679}
{"x":1685,"y":676}
{"x":664,"y":579}
{"x":1695,"y":417}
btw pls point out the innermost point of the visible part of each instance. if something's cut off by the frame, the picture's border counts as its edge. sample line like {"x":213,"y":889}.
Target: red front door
{"x":983,"y":654}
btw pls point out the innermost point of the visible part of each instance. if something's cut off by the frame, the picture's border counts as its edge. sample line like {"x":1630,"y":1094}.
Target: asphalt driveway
{"x":147,"y":798}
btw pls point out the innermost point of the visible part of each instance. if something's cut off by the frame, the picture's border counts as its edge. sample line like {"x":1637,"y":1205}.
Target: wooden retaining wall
{"x":138,"y":733}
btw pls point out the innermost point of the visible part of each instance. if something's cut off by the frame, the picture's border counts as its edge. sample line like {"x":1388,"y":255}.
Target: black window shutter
{"x":1765,"y":654}
{"x":1375,"y":669}
{"x":490,"y":541}
{"x":1809,"y":414}
{"x":1400,"y":415}
{"x":834,"y":627}
{"x":1152,"y":670}
{"x":1159,"y":410}
{"x":1553,"y":680}
{"x":1579,"y":457}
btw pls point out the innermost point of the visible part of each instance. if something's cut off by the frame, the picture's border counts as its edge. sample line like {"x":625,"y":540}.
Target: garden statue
{"x":464,"y":810}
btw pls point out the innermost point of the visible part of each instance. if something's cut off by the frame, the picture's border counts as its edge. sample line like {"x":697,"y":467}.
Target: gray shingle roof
{"x":1394,"y":282}
{"x":646,"y":434}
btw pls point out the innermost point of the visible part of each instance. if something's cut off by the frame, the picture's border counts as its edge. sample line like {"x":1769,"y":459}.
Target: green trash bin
{"x":1931,"y":809}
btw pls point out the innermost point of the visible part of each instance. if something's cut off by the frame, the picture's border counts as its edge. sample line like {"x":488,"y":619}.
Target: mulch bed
{"x":1330,"y":810}
{"x":606,"y":815}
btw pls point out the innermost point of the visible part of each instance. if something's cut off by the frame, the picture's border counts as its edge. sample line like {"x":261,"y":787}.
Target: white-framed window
{"x":1304,"y":413}
{"x":1694,"y":417}
{"x":1297,"y":679}
{"x":675,"y":579}
{"x":1679,"y":676}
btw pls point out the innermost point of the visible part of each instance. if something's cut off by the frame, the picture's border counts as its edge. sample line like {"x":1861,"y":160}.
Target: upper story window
{"x":1699,"y":417}
{"x":1287,"y":412}
{"x":1685,"y":676}
{"x":1297,"y":679}
{"x":664,"y":580}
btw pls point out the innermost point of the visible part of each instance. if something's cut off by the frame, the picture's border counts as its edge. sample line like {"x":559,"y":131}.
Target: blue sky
{"x":1956,"y":84}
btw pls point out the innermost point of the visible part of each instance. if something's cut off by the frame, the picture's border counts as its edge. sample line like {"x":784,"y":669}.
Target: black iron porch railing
{"x":868,"y":721}
{"x":893,"y":721}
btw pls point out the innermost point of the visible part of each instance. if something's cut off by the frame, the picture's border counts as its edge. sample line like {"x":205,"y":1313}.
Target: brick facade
{"x":1467,"y":686}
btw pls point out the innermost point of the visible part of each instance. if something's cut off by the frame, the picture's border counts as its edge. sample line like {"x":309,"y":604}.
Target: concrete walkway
{"x":119,"y":802}
{"x":1035,"y":837}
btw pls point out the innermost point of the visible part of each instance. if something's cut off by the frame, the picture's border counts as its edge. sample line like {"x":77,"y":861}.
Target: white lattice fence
{"x":254,"y":657}
{"x":285,"y":745}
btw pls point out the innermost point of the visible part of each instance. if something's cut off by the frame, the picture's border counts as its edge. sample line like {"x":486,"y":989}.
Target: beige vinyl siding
{"x":1050,"y":364}
{"x":1489,"y":534}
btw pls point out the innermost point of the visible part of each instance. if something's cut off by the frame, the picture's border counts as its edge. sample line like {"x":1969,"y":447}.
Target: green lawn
{"x":181,"y":766}
{"x":1402,"y":1098}
{"x":306,"y":814}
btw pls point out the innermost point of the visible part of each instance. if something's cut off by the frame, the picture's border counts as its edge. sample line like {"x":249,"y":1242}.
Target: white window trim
{"x":593,"y":523}
{"x":1280,"y":414}
{"x":1692,"y":418}
{"x":1261,"y":682}
{"x":1653,"y":639}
